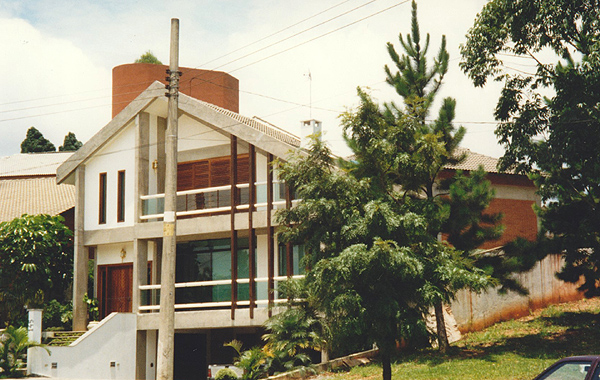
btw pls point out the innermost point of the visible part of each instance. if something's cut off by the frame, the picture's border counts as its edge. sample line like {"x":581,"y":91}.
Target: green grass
{"x":513,"y":350}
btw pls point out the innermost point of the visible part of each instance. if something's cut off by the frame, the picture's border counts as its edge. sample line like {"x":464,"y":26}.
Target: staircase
{"x":62,"y":338}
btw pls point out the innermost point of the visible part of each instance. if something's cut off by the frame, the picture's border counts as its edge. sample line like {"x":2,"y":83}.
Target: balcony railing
{"x":211,"y":200}
{"x":151,"y":294}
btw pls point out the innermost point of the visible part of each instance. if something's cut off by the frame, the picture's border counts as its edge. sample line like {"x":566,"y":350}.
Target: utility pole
{"x":166,"y":325}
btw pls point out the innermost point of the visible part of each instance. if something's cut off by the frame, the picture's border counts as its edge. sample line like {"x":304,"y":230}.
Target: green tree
{"x":148,"y":57}
{"x":70,"y":143}
{"x":372,"y":256}
{"x":14,"y":342}
{"x":406,"y":149}
{"x":549,"y":119}
{"x":35,"y":142}
{"x":36,"y":263}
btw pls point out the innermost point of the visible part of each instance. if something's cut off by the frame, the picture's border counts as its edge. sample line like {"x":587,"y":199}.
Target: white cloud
{"x":61,"y":49}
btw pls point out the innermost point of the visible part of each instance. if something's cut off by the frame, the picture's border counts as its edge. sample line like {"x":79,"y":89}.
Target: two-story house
{"x":228,"y":258}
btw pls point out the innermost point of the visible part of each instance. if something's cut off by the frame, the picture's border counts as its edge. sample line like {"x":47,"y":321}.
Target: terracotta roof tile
{"x":34,"y":196}
{"x":32,"y":164}
{"x":473,"y":160}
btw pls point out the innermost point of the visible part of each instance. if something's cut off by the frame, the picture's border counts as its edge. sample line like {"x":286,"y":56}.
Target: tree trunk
{"x":441,"y":327}
{"x":386,"y":365}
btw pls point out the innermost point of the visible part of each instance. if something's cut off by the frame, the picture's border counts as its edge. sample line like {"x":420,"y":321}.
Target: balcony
{"x":258,"y":298}
{"x":212,"y":200}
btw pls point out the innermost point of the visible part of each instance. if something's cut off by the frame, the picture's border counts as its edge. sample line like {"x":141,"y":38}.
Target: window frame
{"x":102,"y":187}
{"x":121,"y":196}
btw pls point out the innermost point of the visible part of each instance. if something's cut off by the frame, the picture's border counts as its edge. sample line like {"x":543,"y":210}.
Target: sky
{"x":295,"y":60}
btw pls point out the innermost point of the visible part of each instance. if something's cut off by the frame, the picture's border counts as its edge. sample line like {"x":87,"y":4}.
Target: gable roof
{"x":28,"y":185}
{"x":474,"y":160}
{"x":32,"y":164}
{"x":38,"y":195}
{"x":261,"y":135}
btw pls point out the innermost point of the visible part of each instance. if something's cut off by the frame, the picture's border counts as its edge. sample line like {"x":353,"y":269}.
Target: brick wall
{"x":214,"y":87}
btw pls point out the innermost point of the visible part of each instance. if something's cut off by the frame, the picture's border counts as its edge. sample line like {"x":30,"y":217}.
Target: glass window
{"x":121,"y":196}
{"x":297,"y":260}
{"x":102,"y":199}
{"x":569,"y":371}
{"x":210,"y":260}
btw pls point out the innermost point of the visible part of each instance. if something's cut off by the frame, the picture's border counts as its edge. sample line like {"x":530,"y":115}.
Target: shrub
{"x":226,"y":374}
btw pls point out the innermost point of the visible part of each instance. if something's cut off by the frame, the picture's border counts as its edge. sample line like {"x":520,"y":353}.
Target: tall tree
{"x":148,"y":57}
{"x":375,"y":263}
{"x":549,"y":120}
{"x":70,"y":143}
{"x":419,"y":147}
{"x":35,"y":142}
{"x":36,"y":263}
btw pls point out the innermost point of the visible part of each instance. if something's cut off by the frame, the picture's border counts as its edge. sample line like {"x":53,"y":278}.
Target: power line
{"x":274,"y":34}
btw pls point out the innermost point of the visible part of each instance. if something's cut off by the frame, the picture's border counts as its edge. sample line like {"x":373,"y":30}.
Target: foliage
{"x":35,"y":142}
{"x":14,"y":343}
{"x":226,"y":374}
{"x":518,"y":349}
{"x":70,"y":143}
{"x":57,"y":315}
{"x":36,"y":263}
{"x":148,"y":57}
{"x":549,"y":120}
{"x":252,"y":361}
{"x":402,"y":152}
{"x":93,"y":309}
{"x":365,"y":245}
{"x":291,"y":335}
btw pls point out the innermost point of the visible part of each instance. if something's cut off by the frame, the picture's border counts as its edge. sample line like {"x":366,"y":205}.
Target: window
{"x":102,"y":199}
{"x":210,"y":260}
{"x":121,"y":196}
{"x":297,"y":260}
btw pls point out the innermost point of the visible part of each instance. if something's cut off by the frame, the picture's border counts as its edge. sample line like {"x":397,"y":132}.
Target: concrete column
{"x":161,"y":156}
{"x":80,"y":260}
{"x":34,"y":333}
{"x":34,"y":327}
{"x":140,"y":355}
{"x":140,"y":271}
{"x":142,"y":161}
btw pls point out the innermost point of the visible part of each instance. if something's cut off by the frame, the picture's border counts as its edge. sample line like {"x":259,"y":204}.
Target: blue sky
{"x":58,"y":57}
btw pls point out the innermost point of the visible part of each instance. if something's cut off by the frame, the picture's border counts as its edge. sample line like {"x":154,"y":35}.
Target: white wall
{"x":118,"y":154}
{"x":90,"y":357}
{"x":475,"y":311}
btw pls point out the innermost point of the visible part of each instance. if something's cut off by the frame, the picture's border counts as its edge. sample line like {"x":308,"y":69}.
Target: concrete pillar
{"x":34,"y":333}
{"x":142,"y":161}
{"x":80,"y":260}
{"x":140,"y":271}
{"x":34,"y":327}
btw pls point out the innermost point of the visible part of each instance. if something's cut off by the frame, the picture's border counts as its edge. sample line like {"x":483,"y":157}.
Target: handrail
{"x":194,"y":284}
{"x":204,"y":190}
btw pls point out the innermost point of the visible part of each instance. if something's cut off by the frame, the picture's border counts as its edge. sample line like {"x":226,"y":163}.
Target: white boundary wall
{"x":105,"y":352}
{"x":476,"y":311}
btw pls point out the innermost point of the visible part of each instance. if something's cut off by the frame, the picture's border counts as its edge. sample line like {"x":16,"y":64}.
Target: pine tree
{"x":35,"y":142}
{"x":70,"y":143}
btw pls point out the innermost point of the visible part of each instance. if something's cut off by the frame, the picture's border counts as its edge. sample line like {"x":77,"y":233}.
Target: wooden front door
{"x":115,"y":288}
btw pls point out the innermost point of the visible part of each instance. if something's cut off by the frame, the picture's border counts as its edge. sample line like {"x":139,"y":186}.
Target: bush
{"x":226,"y":374}
{"x":57,"y":316}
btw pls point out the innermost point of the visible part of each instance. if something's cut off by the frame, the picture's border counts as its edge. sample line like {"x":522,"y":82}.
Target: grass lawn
{"x":513,"y":350}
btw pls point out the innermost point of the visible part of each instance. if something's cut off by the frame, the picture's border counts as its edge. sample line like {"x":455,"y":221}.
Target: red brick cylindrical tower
{"x":214,"y":87}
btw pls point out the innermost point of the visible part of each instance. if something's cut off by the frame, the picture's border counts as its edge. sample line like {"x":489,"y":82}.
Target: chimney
{"x":307,"y":129}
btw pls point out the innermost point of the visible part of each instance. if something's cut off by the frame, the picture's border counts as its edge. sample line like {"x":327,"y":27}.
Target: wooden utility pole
{"x":166,"y":325}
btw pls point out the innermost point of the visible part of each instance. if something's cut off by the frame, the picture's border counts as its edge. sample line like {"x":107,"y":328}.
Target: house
{"x":228,"y":258}
{"x":28,"y":186}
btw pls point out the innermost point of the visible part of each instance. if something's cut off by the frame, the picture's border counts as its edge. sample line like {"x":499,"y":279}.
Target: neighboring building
{"x":28,"y":186}
{"x":515,"y":196}
{"x":228,"y":257}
